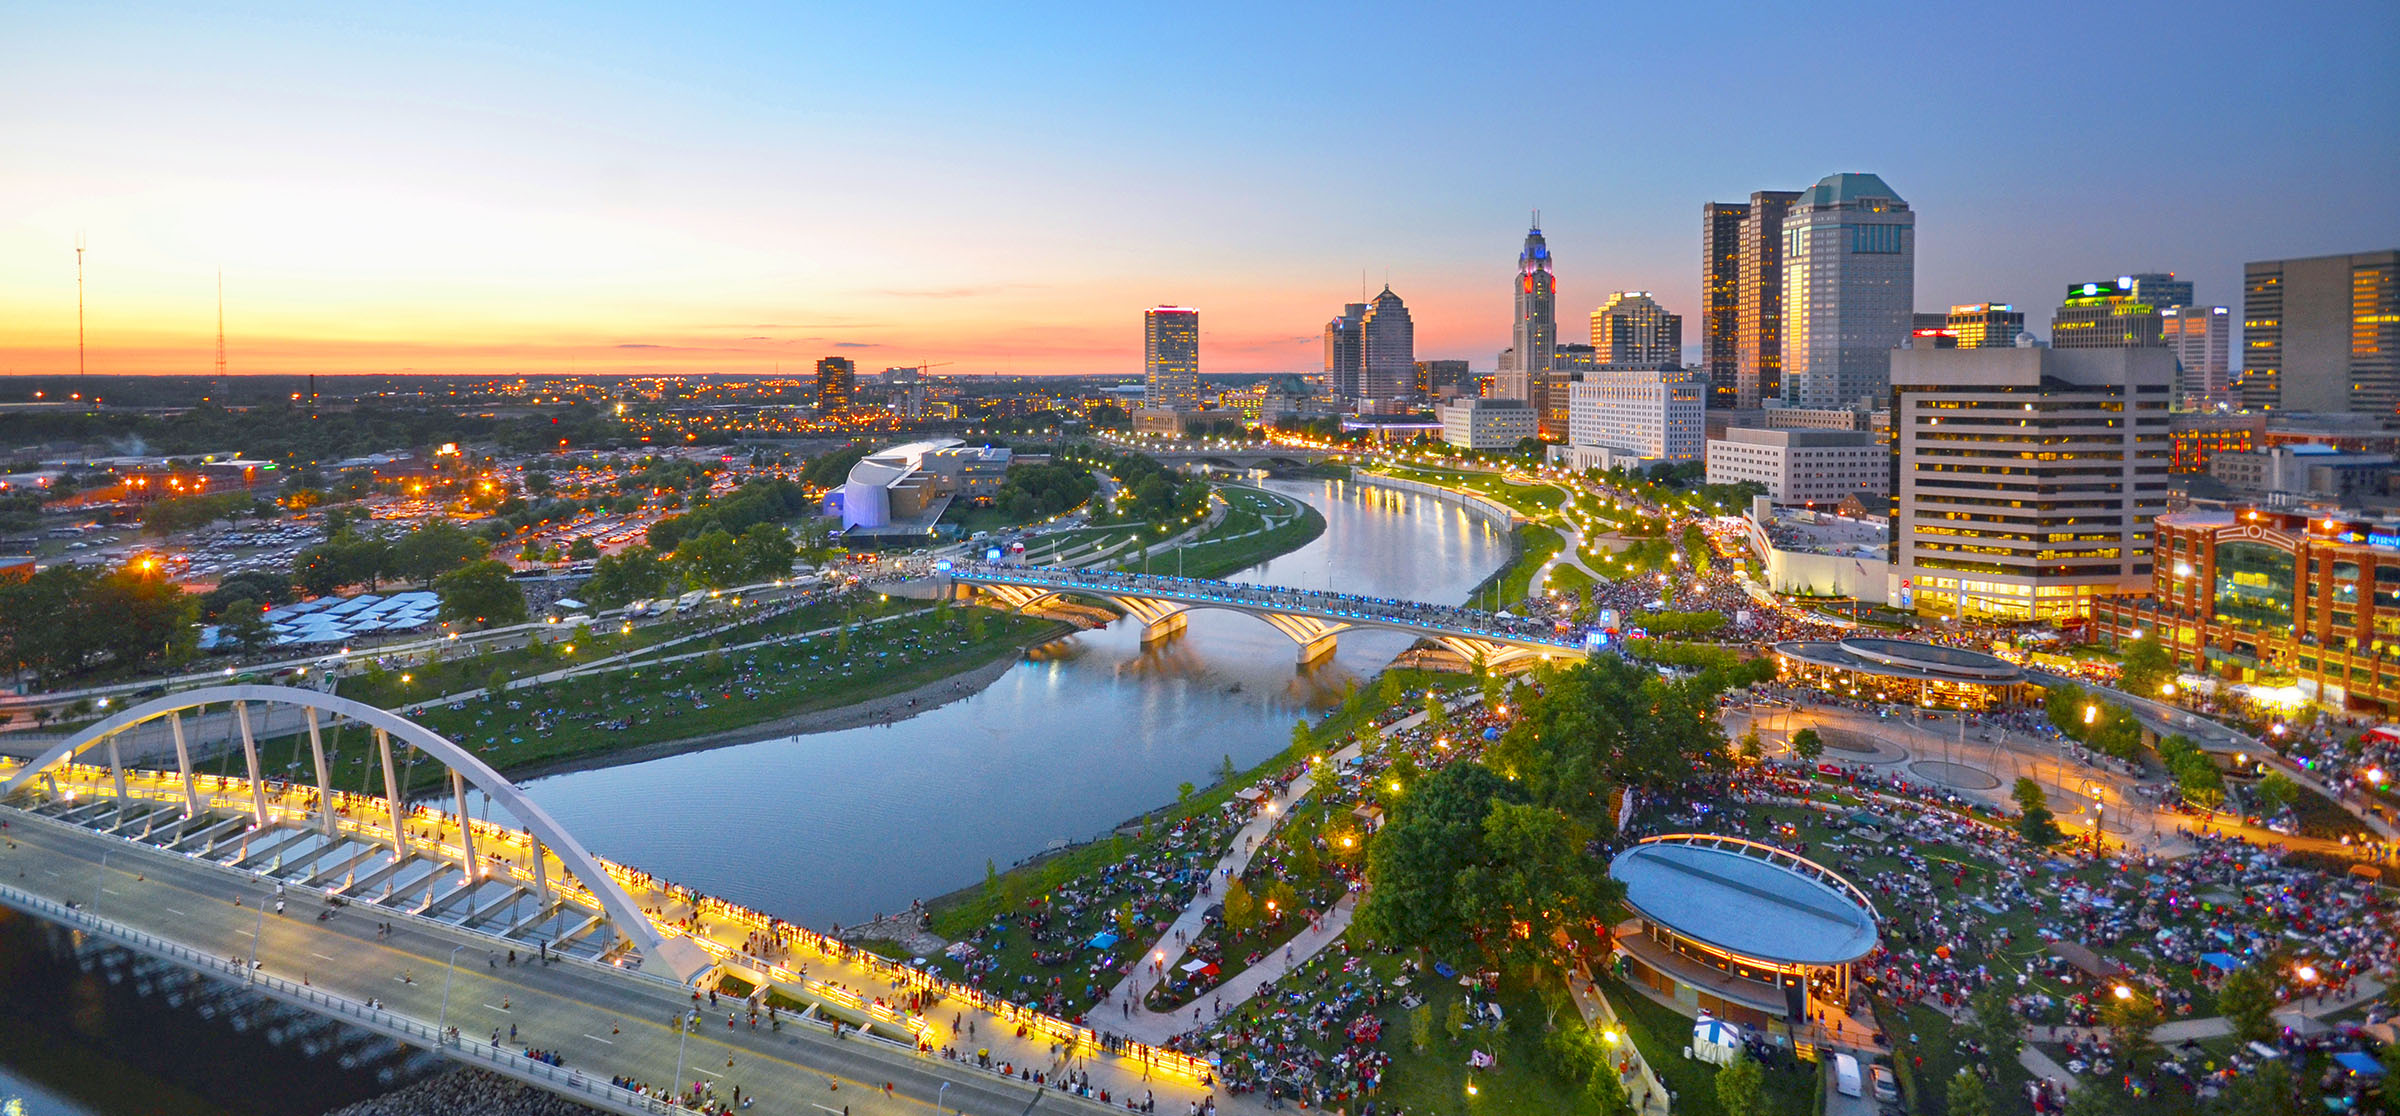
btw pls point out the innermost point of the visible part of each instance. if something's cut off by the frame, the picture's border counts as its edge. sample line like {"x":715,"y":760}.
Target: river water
{"x":1086,"y":732}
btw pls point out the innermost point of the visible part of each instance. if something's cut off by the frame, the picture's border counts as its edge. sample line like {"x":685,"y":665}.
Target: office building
{"x":1632,"y":328}
{"x":907,"y":388}
{"x":1387,"y":352}
{"x":2288,"y":475}
{"x":1849,"y":290}
{"x":1343,"y":352}
{"x":2025,"y":480}
{"x":1985,"y":325}
{"x":1171,"y":358}
{"x":1619,"y":414}
{"x":2202,"y":340}
{"x":2322,"y":334}
{"x":837,"y":385}
{"x":1804,"y":466}
{"x":2199,"y":436}
{"x":2105,"y":315}
{"x":1434,"y":376}
{"x":1758,"y":315}
{"x":1488,"y":424}
{"x":1526,"y":367}
{"x":2159,"y":289}
{"x":2257,"y":595}
{"x":1721,"y":297}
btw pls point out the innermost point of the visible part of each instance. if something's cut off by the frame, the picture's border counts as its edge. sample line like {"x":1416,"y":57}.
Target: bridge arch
{"x":678,"y":956}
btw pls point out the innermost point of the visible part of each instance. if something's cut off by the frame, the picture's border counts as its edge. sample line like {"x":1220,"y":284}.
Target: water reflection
{"x":1085,"y":733}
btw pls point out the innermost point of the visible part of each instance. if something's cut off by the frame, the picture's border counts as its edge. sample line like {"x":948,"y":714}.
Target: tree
{"x":2130,"y":1018}
{"x":1454,"y":1021}
{"x":1413,"y":866}
{"x":435,"y":548}
{"x":2146,"y":667}
{"x":711,"y":559}
{"x":1437,"y":715}
{"x":2039,"y":827}
{"x":1995,"y":1026}
{"x":583,"y":550}
{"x":1606,"y":1091}
{"x":635,"y":573}
{"x":2247,"y":1000}
{"x":1808,"y":745}
{"x":2267,"y":1091}
{"x":1533,"y":881}
{"x":1966,"y":1095}
{"x":480,"y":593}
{"x":244,"y":623}
{"x":2028,"y":794}
{"x":766,"y":551}
{"x":1742,"y":1088}
{"x":1607,"y":720}
{"x":1241,"y":912}
{"x":1420,"y":1027}
{"x":2274,"y":792}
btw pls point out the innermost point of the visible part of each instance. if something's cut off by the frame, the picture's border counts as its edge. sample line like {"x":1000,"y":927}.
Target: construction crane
{"x":912,"y":402}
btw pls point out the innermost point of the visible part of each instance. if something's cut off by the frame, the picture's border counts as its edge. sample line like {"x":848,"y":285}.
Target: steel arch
{"x":679,"y":956}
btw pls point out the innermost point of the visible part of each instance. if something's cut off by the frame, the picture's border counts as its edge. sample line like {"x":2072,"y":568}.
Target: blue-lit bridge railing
{"x":1313,"y":618}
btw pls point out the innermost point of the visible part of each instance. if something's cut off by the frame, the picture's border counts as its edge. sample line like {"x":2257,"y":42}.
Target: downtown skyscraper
{"x":1343,"y":352}
{"x":1526,"y":370}
{"x":1632,"y":328}
{"x":1171,"y":358}
{"x":1741,"y":280}
{"x":1849,"y":290}
{"x":1387,"y":353}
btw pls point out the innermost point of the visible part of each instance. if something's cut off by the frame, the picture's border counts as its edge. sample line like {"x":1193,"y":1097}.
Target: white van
{"x":1845,"y":1075}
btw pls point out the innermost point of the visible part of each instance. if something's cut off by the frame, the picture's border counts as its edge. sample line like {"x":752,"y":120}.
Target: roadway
{"x":601,"y":1021}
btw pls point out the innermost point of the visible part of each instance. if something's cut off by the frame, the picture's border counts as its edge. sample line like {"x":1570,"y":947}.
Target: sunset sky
{"x":445,"y":186}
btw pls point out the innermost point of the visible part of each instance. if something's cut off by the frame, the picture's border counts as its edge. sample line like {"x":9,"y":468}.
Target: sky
{"x":442,"y":186}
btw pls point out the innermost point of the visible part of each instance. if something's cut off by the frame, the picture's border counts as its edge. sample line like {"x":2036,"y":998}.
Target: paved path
{"x":1649,"y":1094}
{"x":2043,"y":1067}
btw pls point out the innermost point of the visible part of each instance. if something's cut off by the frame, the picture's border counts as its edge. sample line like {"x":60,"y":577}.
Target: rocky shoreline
{"x":466,"y":1092}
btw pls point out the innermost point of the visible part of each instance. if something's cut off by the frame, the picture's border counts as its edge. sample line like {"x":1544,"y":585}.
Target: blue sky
{"x":444,"y":185}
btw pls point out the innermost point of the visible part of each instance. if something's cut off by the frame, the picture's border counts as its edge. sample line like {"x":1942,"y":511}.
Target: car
{"x":1887,"y":1087}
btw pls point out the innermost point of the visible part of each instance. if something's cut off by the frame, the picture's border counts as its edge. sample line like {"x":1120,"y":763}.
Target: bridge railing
{"x":415,"y":1032}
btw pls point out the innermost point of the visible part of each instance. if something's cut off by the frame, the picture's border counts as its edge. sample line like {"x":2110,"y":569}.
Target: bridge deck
{"x":602,"y":1020}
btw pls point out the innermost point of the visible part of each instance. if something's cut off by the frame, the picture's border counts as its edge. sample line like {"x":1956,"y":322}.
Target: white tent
{"x":1715,"y":1041}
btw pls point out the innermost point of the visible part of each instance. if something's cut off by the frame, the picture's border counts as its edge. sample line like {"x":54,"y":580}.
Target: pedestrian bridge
{"x":1314,"y":619}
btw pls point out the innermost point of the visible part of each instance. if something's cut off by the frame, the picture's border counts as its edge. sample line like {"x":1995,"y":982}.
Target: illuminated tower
{"x":1387,"y":351}
{"x":1534,"y":338}
{"x":1171,"y":358}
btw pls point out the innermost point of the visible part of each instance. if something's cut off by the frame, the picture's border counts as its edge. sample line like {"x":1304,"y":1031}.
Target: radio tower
{"x":220,"y":331}
{"x":79,"y":376}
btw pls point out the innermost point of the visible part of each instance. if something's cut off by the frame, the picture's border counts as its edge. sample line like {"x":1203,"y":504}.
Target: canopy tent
{"x":1715,"y":1041}
{"x":1103,"y":940}
{"x":2362,"y":1065}
{"x":2225,"y":961}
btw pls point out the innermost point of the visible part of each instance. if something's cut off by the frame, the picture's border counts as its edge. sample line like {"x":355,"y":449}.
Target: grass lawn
{"x":598,"y":714}
{"x":1539,"y":501}
{"x":1535,"y":545}
{"x":1921,"y":1032}
{"x":1661,"y":1033}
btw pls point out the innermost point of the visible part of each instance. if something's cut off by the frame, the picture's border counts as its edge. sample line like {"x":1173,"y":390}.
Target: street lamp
{"x":443,"y":1027}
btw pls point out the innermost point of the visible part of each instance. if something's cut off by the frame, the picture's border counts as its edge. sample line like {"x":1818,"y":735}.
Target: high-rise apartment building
{"x":1534,"y":336}
{"x":1758,"y":319}
{"x":2322,"y":334}
{"x":1849,"y":290}
{"x":1342,"y":351}
{"x":1985,"y":325}
{"x":1721,"y":297}
{"x":837,"y":385}
{"x":2158,"y":288}
{"x":1434,"y":375}
{"x":2202,"y":338}
{"x":1387,"y":351}
{"x":1171,"y":358}
{"x":2025,"y":480}
{"x":2105,"y":316}
{"x":1632,"y":328}
{"x":907,"y":386}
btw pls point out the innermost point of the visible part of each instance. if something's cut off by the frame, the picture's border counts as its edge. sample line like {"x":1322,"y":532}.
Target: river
{"x":1084,"y":733}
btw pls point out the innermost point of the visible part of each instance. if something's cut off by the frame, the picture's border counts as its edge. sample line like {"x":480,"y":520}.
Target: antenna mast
{"x":79,"y":376}
{"x":220,"y":324}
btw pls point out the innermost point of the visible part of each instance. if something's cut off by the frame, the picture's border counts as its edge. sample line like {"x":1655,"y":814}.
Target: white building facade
{"x":1489,"y":424}
{"x":1617,"y":414}
{"x":1804,"y":466}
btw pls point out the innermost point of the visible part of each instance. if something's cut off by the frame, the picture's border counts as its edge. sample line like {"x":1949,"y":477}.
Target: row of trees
{"x":713,"y":560}
{"x":1034,"y":491}
{"x":69,"y":619}
{"x":351,"y":557}
{"x":2102,"y":725}
{"x":767,"y":501}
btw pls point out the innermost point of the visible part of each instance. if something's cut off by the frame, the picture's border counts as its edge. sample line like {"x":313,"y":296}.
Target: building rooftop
{"x":1849,"y":186}
{"x":1747,"y":898}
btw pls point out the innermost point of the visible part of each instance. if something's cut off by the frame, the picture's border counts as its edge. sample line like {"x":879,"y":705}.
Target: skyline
{"x":504,"y":193}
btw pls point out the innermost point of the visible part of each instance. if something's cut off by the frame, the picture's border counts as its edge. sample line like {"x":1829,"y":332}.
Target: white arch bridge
{"x":1314,"y":619}
{"x":538,"y":885}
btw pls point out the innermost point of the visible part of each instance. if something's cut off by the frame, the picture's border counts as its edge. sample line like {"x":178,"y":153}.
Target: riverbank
{"x":466,"y":1092}
{"x":883,"y":710}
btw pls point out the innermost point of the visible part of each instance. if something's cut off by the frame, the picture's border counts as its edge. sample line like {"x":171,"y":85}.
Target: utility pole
{"x":79,"y":374}
{"x":220,"y":326}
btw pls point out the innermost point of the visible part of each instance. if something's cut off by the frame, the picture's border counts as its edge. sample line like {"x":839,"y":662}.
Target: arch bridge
{"x":538,"y":885}
{"x":1313,"y":619}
